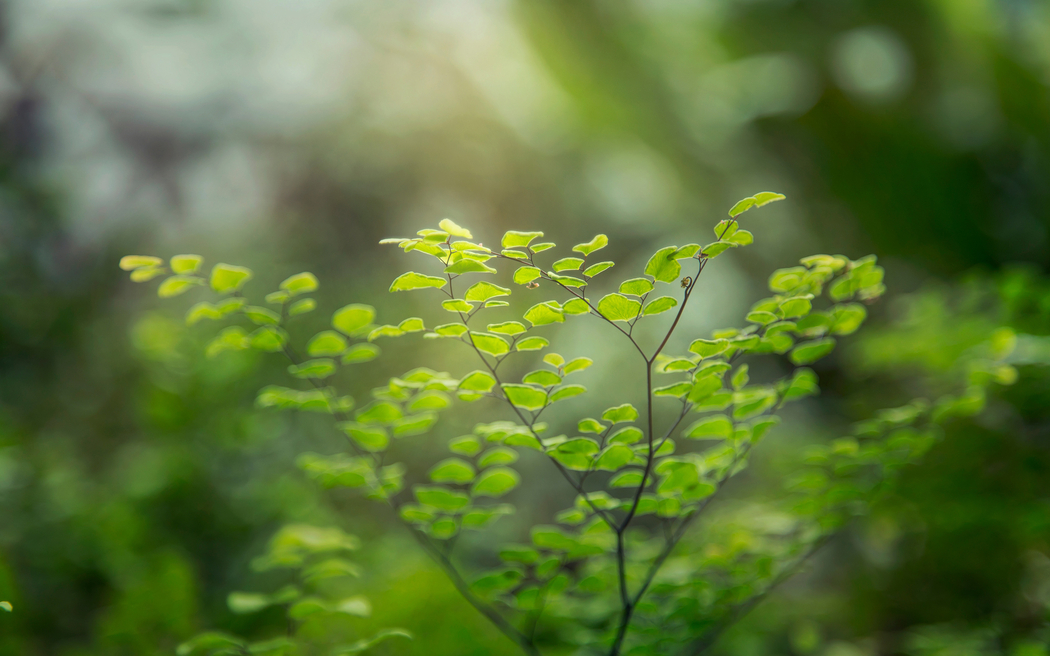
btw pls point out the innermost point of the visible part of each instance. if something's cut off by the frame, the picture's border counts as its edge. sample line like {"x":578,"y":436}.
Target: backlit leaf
{"x":300,"y":283}
{"x":599,"y":242}
{"x":663,"y":266}
{"x":412,"y":280}
{"x":617,"y":307}
{"x":226,"y":278}
{"x":495,"y":482}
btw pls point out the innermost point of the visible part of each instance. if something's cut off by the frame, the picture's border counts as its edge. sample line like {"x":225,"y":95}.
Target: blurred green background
{"x":137,"y":481}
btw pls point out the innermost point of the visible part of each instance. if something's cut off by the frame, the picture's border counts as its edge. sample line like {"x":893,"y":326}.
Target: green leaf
{"x":132,"y":262}
{"x":359,"y":353}
{"x":412,"y":280}
{"x":726,"y":228}
{"x":751,"y":402}
{"x":620,"y":413}
{"x":517,"y":255}
{"x":440,"y":498}
{"x":542,"y":246}
{"x":364,"y":645}
{"x":742,"y":238}
{"x":499,"y":455}
{"x":595,"y":269}
{"x":677,"y":389}
{"x":626,"y":479}
{"x":626,"y":435}
{"x":176,"y":285}
{"x":589,"y":426}
{"x":525,"y":396}
{"x":617,"y":307}
{"x":742,"y":206}
{"x":532,"y":344}
{"x":379,"y":412}
{"x":491,"y":344}
{"x":416,"y":424}
{"x":515,"y":239}
{"x":716,"y":248}
{"x":577,"y":364}
{"x":411,"y":325}
{"x":261,"y":316}
{"x":576,"y":306}
{"x":518,"y":554}
{"x":551,"y":537}
{"x":614,"y":457}
{"x":740,"y":377}
{"x":636,"y":287}
{"x":146,"y":274}
{"x":468,"y":265}
{"x":807,"y":352}
{"x":450,"y":329}
{"x":554,"y":360}
{"x":758,"y":200}
{"x":708,"y":348}
{"x":227,"y":278}
{"x":712,"y":427}
{"x":766,"y":197}
{"x":568,"y":281}
{"x":467,"y":445}
{"x":300,"y":283}
{"x":663,"y":266}
{"x":568,"y":391}
{"x":507,"y":328}
{"x":202,"y":310}
{"x":687,"y":251}
{"x":495,"y":482}
{"x":567,"y":264}
{"x":302,"y":306}
{"x":786,"y":280}
{"x":186,"y":263}
{"x":796,"y":307}
{"x":477,"y":381}
{"x":207,"y":643}
{"x":319,"y":368}
{"x":268,"y":338}
{"x":541,"y":377}
{"x":384,"y":331}
{"x":599,"y":242}
{"x":241,"y":603}
{"x":452,"y":470}
{"x":483,"y":291}
{"x":544,"y":313}
{"x":353,"y":319}
{"x":429,"y":400}
{"x":369,"y":438}
{"x":526,"y":274}
{"x":457,"y":305}
{"x":656,"y":306}
{"x":576,"y":454}
{"x":449,"y":226}
{"x":847,"y":318}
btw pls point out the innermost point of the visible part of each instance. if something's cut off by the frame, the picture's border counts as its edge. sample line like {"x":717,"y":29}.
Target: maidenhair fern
{"x":619,"y":571}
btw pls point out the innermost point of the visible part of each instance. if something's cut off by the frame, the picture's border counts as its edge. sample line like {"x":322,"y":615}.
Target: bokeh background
{"x":137,"y":481}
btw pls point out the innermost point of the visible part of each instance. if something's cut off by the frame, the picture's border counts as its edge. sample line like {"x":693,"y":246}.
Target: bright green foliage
{"x":318,"y":558}
{"x":663,"y":456}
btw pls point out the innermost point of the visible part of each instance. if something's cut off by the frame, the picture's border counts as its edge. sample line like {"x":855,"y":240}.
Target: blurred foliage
{"x":270,"y":132}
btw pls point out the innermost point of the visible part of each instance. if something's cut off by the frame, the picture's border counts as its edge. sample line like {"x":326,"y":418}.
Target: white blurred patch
{"x":633,"y":183}
{"x":967,"y":117}
{"x":734,"y":94}
{"x":872,"y":64}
